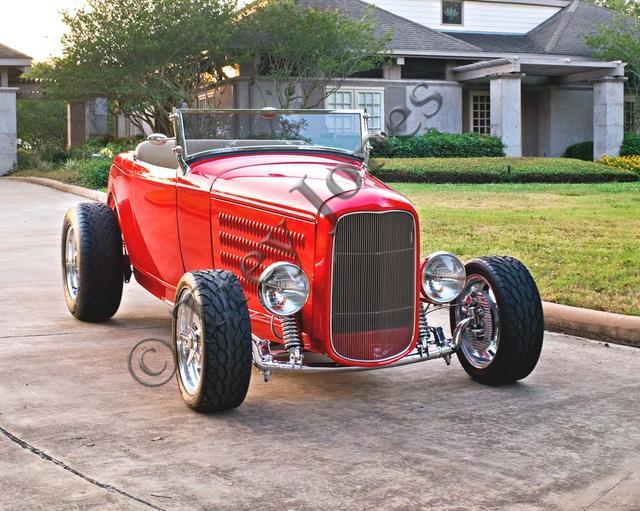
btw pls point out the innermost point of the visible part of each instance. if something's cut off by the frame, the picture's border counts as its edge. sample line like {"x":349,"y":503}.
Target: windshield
{"x":201,"y":132}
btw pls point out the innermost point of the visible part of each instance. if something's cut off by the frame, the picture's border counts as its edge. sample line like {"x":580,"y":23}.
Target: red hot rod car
{"x":276,"y":248}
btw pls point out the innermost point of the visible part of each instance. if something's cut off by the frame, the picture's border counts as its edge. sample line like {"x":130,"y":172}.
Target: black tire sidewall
{"x":218,"y":390}
{"x":509,"y":364}
{"x":99,"y":261}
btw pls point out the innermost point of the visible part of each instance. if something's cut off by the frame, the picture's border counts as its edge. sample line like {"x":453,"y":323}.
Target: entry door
{"x":194,"y":219}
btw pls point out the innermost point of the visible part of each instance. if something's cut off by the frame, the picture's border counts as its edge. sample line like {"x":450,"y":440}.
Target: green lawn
{"x":59,"y":174}
{"x":581,"y":242}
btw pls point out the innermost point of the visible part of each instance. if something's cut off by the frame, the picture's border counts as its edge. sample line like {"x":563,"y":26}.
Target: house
{"x":12,"y":65}
{"x":518,"y":69}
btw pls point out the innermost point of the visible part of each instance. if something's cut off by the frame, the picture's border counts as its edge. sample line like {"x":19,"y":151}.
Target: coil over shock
{"x":423,"y":331}
{"x":291,"y":333}
{"x":292,"y":339}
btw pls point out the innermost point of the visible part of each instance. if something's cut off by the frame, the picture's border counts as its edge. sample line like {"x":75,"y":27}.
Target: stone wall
{"x":410,"y":107}
{"x":8,"y":127}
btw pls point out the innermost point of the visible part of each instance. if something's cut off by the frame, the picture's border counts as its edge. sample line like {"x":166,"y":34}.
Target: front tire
{"x":513,"y":324}
{"x":212,"y":339}
{"x":92,"y":274}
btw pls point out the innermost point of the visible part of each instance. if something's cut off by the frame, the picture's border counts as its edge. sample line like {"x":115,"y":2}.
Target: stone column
{"x":506,"y":111}
{"x":76,"y":124}
{"x":608,"y":117}
{"x":8,"y":129}
{"x":97,"y":112}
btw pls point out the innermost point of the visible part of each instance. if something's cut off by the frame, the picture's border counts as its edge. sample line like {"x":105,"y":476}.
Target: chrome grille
{"x":374,"y":288}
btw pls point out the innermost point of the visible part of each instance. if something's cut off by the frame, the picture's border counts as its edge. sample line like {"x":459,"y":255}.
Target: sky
{"x":34,"y":27}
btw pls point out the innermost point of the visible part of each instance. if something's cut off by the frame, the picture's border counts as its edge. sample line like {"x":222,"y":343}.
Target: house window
{"x":452,"y":12}
{"x":340,"y":100}
{"x":630,"y":115}
{"x":481,"y":113}
{"x":369,"y":100}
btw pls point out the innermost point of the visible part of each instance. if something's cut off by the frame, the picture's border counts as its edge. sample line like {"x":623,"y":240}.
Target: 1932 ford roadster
{"x":277,"y":248}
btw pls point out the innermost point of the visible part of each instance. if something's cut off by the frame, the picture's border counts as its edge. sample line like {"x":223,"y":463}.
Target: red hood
{"x":300,"y":183}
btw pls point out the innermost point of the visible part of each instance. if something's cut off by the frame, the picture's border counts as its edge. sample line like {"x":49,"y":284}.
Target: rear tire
{"x":92,"y":265}
{"x":212,"y":340}
{"x":513,"y":320}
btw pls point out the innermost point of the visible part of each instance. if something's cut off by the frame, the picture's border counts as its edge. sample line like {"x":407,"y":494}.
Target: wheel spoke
{"x":479,"y":349}
{"x":188,"y":342}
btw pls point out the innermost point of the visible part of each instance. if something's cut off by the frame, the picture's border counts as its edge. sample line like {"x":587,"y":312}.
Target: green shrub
{"x":496,"y":170}
{"x":92,"y":172}
{"x":42,"y":157}
{"x":581,"y":151}
{"x":108,"y":149}
{"x":584,"y":150}
{"x":436,"y":144}
{"x":630,"y":145}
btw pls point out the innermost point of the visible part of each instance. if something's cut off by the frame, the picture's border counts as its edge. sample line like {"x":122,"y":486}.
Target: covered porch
{"x":540,"y":105}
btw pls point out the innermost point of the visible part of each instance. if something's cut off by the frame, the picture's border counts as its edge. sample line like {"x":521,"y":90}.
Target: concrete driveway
{"x":78,"y":432}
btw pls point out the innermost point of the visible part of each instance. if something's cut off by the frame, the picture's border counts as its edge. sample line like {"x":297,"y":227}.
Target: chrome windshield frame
{"x":185,"y":158}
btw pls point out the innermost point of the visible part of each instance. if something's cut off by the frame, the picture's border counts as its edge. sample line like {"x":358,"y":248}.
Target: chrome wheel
{"x":71,"y":262}
{"x":479,"y":345}
{"x":189,"y":342}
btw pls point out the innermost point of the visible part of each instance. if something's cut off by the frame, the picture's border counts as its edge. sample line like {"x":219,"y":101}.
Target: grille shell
{"x":373,"y":294}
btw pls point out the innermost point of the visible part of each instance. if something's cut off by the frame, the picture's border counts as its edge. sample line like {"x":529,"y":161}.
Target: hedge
{"x":496,"y":170}
{"x":436,"y":144}
{"x":630,"y":145}
{"x":584,"y":150}
{"x":581,"y":151}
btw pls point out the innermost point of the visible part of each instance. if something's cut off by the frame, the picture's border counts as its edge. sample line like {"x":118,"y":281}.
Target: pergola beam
{"x":616,"y":71}
{"x":486,"y":68}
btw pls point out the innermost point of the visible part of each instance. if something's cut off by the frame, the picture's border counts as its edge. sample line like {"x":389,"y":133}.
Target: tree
{"x":145,"y":56}
{"x":626,"y":7}
{"x":306,"y":53}
{"x":42,"y":123}
{"x":620,"y":40}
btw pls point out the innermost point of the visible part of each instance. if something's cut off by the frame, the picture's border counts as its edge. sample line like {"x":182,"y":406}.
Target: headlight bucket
{"x":443,"y":277}
{"x":283,"y":289}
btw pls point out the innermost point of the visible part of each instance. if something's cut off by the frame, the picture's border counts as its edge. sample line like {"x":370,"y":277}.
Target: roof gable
{"x":406,"y":34}
{"x":565,"y":33}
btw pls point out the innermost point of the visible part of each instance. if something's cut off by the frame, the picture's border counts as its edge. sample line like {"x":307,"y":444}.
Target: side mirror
{"x":157,"y":139}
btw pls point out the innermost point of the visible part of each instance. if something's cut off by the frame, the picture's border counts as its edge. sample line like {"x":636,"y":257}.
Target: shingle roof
{"x":406,"y":34}
{"x":500,"y":43}
{"x":10,"y":53}
{"x":564,"y":33}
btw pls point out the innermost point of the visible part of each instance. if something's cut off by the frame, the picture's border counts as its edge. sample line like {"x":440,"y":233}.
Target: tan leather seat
{"x":159,"y":155}
{"x":163,"y":156}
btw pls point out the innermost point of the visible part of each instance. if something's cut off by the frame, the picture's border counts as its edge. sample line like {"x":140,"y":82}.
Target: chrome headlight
{"x":283,"y":289}
{"x":443,"y":277}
